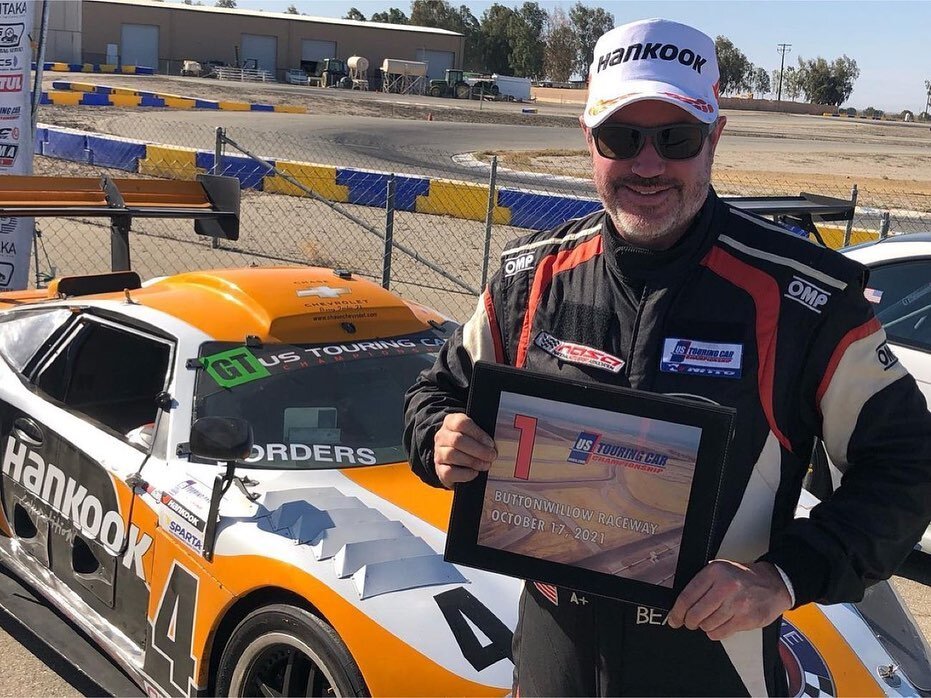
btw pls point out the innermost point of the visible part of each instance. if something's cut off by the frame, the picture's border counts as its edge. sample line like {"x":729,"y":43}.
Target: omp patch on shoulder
{"x":515,"y":265}
{"x":690,"y":356}
{"x":578,"y":353}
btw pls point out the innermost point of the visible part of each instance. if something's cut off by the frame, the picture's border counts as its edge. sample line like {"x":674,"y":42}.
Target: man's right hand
{"x":461,"y":450}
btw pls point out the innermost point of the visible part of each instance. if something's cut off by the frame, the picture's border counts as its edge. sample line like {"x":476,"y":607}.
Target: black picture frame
{"x":716,"y":425}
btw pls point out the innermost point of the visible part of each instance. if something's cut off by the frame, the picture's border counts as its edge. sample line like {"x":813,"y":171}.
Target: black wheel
{"x":283,"y":650}
{"x":495,"y":90}
{"x":463,"y":91}
{"x":436,"y":91}
{"x":818,"y":480}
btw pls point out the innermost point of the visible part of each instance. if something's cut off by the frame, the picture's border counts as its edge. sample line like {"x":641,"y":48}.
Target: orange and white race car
{"x":316,"y":567}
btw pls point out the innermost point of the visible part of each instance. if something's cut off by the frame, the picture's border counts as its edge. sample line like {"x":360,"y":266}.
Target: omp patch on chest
{"x":693,"y":357}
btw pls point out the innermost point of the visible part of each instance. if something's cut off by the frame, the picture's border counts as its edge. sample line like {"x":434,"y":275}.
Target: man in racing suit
{"x":672,"y":291}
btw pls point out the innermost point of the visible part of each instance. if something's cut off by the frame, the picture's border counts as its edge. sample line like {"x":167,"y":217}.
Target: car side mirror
{"x":221,"y":438}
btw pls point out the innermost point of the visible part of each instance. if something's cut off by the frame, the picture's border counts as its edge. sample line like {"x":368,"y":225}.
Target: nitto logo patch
{"x":701,"y":358}
{"x":515,"y":265}
{"x":805,"y":292}
{"x":578,"y":353}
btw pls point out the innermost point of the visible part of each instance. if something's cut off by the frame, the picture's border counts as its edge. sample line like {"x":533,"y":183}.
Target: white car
{"x":900,"y":288}
{"x":296,"y":76}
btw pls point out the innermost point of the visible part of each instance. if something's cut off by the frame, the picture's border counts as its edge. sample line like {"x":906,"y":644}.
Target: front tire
{"x":283,"y":650}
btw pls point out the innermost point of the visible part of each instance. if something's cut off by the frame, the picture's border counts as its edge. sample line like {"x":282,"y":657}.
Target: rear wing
{"x":212,"y":201}
{"x":800,"y":211}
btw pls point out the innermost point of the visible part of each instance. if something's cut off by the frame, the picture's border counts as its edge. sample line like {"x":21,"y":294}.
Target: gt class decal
{"x":73,"y":506}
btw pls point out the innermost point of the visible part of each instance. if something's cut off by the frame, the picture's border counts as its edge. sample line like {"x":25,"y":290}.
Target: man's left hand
{"x":728,"y":597}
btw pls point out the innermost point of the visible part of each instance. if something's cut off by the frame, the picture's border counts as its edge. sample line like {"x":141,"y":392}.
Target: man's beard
{"x":659,"y":227}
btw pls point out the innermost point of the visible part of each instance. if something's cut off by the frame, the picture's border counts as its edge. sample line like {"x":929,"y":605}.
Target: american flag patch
{"x":549,"y":591}
{"x":873,"y":295}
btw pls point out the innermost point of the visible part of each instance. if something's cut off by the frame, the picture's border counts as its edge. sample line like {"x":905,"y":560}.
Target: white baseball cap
{"x":653,"y":59}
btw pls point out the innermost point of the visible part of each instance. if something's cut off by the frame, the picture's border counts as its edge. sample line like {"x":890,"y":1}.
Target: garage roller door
{"x":314,"y":50}
{"x":437,"y":62}
{"x":263,"y":48}
{"x":139,"y":45}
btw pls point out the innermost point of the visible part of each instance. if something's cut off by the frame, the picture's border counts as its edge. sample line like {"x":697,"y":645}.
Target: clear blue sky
{"x":891,"y":41}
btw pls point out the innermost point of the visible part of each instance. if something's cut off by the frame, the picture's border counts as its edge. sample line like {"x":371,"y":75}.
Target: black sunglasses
{"x":672,"y":142}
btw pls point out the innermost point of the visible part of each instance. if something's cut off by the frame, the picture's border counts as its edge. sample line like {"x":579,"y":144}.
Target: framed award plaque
{"x":599,"y":489}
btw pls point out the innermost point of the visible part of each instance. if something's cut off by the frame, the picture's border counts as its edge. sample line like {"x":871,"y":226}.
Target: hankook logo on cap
{"x":323,"y":292}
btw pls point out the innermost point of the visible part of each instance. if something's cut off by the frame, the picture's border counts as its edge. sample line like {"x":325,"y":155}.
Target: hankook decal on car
{"x":72,"y":502}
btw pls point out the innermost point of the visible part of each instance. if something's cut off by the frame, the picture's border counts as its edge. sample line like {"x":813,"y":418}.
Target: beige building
{"x":162,"y":34}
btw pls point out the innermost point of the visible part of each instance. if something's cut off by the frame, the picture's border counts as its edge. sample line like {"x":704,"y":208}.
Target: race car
{"x":900,"y":289}
{"x":205,"y":474}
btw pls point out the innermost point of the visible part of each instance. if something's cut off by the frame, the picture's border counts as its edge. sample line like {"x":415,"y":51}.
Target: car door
{"x":101,"y":386}
{"x":22,"y":336}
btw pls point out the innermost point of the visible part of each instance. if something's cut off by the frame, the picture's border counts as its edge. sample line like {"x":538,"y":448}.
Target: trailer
{"x":403,"y":77}
{"x":516,"y":89}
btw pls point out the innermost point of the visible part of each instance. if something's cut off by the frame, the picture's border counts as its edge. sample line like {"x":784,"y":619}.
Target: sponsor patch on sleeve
{"x":578,"y":353}
{"x":690,"y":356}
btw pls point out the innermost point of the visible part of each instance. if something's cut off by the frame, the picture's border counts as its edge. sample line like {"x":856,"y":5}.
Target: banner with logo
{"x":16,"y":23}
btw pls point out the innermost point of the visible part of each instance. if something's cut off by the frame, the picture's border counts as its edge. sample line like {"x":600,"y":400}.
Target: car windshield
{"x":901,"y":293}
{"x":316,"y":406}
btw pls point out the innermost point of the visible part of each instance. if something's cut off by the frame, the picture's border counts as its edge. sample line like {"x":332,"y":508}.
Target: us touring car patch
{"x":578,"y":353}
{"x":701,"y":358}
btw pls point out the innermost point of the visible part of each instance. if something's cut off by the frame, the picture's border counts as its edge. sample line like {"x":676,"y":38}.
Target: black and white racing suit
{"x":744,"y":314}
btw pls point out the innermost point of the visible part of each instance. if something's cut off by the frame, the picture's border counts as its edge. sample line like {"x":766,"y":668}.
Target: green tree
{"x":392,"y":16}
{"x":560,"y":47}
{"x":355,"y":14}
{"x":435,"y":13}
{"x":474,"y":41}
{"x":228,"y":4}
{"x":760,"y":81}
{"x":496,"y":38}
{"x":525,"y":31}
{"x":734,"y":66}
{"x":827,"y":83}
{"x":292,"y":10}
{"x":589,"y":24}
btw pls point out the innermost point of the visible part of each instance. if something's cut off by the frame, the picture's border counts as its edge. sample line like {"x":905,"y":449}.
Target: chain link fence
{"x":426,"y":228}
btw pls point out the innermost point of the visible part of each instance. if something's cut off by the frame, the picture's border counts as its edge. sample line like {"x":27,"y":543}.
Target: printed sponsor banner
{"x":15,"y":135}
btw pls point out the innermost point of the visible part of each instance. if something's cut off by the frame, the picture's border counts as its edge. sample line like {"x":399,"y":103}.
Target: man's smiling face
{"x":652,"y":201}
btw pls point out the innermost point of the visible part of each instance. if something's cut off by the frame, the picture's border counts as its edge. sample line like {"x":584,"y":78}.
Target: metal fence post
{"x":218,"y":169}
{"x":489,"y":217}
{"x":853,"y":202}
{"x":389,"y":233}
{"x":884,"y":225}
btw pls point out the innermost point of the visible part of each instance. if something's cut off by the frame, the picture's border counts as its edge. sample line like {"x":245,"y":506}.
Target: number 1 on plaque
{"x":528,"y":433}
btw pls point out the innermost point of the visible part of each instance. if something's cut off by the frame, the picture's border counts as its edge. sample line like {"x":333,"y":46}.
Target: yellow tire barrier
{"x":320,"y":179}
{"x":170,"y":162}
{"x":460,"y":200}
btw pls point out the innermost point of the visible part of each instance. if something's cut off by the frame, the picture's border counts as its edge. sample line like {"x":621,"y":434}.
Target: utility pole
{"x":783,"y":49}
